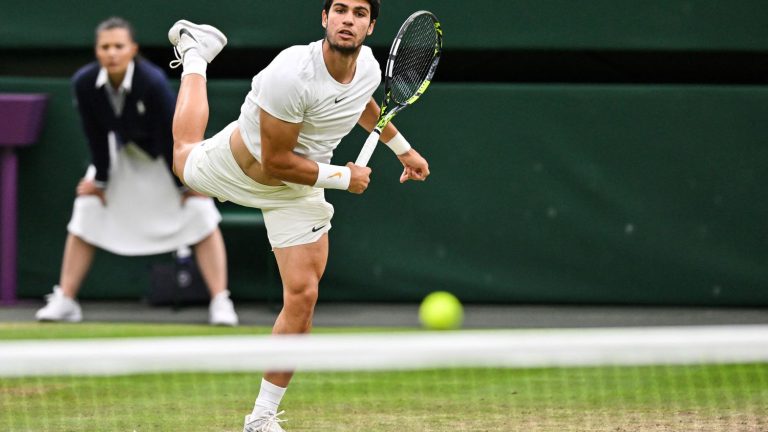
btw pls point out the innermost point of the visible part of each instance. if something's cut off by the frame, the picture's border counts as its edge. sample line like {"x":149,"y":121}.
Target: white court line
{"x":418,"y":350}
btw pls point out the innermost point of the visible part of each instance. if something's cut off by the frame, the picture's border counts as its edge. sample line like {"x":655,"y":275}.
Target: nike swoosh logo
{"x":184,"y":31}
{"x":318,"y":228}
{"x":336,"y":174}
{"x":337,"y":100}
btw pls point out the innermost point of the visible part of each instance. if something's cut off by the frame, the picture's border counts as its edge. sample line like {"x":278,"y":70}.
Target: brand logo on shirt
{"x":140,"y":107}
{"x":337,"y":100}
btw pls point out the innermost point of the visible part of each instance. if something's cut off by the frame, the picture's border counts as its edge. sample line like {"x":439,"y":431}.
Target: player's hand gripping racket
{"x":410,"y":67}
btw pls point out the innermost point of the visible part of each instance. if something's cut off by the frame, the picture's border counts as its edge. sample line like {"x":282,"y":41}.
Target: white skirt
{"x":144,"y":214}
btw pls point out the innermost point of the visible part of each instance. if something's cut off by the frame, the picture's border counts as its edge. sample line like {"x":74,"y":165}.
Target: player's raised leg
{"x":196,"y":45}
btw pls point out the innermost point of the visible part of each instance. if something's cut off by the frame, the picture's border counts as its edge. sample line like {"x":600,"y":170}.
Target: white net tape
{"x":417,"y":350}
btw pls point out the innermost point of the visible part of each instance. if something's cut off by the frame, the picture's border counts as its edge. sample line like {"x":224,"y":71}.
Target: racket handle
{"x":367,"y":151}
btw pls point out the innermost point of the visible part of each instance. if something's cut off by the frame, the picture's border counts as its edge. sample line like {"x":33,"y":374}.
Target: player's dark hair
{"x":375,"y":6}
{"x":113,"y":23}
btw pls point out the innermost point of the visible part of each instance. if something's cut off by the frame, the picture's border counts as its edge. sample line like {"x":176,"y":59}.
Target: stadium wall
{"x":539,"y":194}
{"x":595,"y":151}
{"x":492,"y":24}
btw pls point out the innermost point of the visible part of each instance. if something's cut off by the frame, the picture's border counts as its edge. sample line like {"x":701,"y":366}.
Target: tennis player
{"x":276,"y":156}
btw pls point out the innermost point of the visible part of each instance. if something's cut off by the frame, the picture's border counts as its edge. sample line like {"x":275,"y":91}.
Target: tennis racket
{"x":410,"y":67}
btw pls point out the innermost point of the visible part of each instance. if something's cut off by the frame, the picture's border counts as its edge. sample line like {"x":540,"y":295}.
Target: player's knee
{"x":302,"y":300}
{"x":308,"y":298}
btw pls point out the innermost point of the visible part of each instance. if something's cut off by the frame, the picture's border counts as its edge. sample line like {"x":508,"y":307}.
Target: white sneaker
{"x":221,"y":311}
{"x":185,"y":35}
{"x":267,"y":422}
{"x":59,"y":308}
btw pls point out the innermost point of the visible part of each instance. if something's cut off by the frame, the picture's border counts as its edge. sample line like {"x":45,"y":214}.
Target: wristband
{"x":333,"y":176}
{"x":398,"y":144}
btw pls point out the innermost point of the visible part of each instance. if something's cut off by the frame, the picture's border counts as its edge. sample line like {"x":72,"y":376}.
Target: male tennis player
{"x":277,"y":155}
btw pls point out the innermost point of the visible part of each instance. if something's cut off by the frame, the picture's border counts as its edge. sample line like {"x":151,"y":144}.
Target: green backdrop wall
{"x":539,"y":193}
{"x":567,"y":193}
{"x":492,"y":24}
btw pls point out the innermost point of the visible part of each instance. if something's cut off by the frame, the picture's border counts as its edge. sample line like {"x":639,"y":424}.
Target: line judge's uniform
{"x":129,"y":134}
{"x":297,"y":88}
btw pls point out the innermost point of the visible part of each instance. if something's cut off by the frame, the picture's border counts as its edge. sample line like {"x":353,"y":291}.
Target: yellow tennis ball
{"x":441,"y":310}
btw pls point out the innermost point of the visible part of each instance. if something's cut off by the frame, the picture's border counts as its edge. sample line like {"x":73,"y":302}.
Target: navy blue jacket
{"x":146,"y":119}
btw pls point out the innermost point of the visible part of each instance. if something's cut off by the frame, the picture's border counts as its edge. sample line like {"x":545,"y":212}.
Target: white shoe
{"x":267,"y":422}
{"x":221,"y":311}
{"x":185,"y":35}
{"x":59,"y":308}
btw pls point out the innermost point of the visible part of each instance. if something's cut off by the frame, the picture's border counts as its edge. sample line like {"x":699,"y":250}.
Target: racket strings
{"x":414,"y":58}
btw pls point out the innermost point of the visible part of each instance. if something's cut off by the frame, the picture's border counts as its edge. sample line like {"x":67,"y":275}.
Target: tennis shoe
{"x":59,"y":308}
{"x":221,"y":311}
{"x":184,"y":36}
{"x":266,"y":422}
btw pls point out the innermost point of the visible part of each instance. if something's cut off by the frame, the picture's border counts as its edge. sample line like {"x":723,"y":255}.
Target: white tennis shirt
{"x":297,"y":88}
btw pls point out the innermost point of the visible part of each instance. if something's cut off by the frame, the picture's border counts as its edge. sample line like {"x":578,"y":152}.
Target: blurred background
{"x":582,"y":152}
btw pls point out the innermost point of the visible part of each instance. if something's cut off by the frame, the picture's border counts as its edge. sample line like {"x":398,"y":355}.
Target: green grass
{"x":35,"y":330}
{"x":692,"y":398}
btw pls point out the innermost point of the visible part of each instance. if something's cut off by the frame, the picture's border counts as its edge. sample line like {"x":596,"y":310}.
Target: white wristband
{"x":333,"y":176}
{"x":399,"y":144}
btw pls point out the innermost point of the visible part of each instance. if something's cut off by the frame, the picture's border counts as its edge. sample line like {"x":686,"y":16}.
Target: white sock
{"x":194,"y":63}
{"x":269,"y":397}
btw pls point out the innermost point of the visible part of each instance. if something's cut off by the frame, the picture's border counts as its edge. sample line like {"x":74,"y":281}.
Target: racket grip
{"x":367,"y":151}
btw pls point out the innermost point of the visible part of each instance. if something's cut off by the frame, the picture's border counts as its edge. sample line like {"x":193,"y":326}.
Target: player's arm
{"x":278,"y":140}
{"x":415,"y":167}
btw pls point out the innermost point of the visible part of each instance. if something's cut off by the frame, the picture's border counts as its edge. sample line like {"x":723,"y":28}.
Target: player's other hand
{"x":415,"y":167}
{"x":88,"y":187}
{"x":360,"y":178}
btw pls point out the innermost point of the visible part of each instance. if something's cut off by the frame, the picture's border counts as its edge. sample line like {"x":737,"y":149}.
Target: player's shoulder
{"x":367,"y":63}
{"x":366,"y":59}
{"x":293,"y":64}
{"x":366,"y":55}
{"x":293,"y":55}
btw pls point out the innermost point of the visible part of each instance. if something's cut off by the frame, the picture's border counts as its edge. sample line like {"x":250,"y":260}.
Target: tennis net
{"x":708,"y":378}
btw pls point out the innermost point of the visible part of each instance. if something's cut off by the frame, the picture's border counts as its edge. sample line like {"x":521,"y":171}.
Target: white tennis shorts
{"x":294,"y":215}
